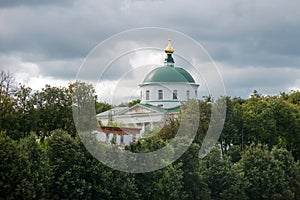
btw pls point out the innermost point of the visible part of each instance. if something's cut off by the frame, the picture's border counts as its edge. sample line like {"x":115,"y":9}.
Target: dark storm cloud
{"x":250,"y":33}
{"x":46,"y":33}
{"x":57,"y":35}
{"x":232,"y":31}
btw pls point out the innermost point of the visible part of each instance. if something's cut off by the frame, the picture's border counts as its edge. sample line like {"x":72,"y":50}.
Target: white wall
{"x":135,"y":119}
{"x":168,"y":89}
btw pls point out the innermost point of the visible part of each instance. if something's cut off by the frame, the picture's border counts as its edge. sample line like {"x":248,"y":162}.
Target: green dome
{"x":168,"y":74}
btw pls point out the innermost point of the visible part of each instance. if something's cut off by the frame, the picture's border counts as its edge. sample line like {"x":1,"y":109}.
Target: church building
{"x":162,"y":92}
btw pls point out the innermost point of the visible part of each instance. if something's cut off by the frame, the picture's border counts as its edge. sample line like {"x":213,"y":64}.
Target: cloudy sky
{"x":254,"y":44}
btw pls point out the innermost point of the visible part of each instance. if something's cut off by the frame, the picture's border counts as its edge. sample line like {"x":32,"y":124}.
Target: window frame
{"x":175,"y":94}
{"x":147,"y":94}
{"x":160,"y":94}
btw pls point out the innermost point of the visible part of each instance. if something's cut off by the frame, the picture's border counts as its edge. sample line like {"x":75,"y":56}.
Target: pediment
{"x":140,"y":108}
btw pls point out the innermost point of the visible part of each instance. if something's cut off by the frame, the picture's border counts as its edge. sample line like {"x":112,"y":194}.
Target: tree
{"x":102,"y":107}
{"x":193,"y":179}
{"x":76,"y":174}
{"x":9,"y":156}
{"x":38,"y":171}
{"x":133,"y":102}
{"x":6,"y":83}
{"x":204,"y":119}
{"x":23,"y":172}
{"x":294,"y":97}
{"x":258,"y":122}
{"x":26,"y":114}
{"x":290,"y":168}
{"x":285,"y":115}
{"x":265,"y":174}
{"x":165,"y":183}
{"x":8,"y":117}
{"x":230,"y":132}
{"x":169,"y":130}
{"x":222,"y":178}
{"x":83,"y":106}
{"x":7,"y":103}
{"x":54,"y":109}
{"x":234,"y":153}
{"x":67,"y":169}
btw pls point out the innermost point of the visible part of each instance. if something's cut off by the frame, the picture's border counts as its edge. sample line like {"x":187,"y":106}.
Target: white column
{"x":143,"y":128}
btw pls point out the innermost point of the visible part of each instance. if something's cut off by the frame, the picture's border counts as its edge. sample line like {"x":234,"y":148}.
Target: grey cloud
{"x":241,"y":81}
{"x":14,"y":3}
{"x":56,"y":35}
{"x":252,"y":28}
{"x":65,"y":70}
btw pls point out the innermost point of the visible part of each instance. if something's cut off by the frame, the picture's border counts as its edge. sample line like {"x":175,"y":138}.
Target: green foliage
{"x":129,"y":104}
{"x":9,"y":157}
{"x":259,"y":123}
{"x":272,"y":120}
{"x":266,"y":173}
{"x":102,"y":107}
{"x":204,"y":119}
{"x":75,"y":174}
{"x":234,"y":153}
{"x":83,"y":106}
{"x":193,"y":180}
{"x":7,"y":106}
{"x":258,"y":157}
{"x":144,"y":145}
{"x":23,"y":169}
{"x":53,"y":109}
{"x":169,"y":130}
{"x":27,"y":115}
{"x":222,"y":178}
{"x":165,"y":183}
{"x":294,"y":97}
{"x":66,"y":171}
{"x":114,"y":124}
{"x":290,"y":169}
{"x":230,"y":133}
{"x":133,"y":102}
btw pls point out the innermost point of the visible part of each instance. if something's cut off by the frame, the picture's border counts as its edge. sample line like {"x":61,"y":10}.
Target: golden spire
{"x":169,"y":49}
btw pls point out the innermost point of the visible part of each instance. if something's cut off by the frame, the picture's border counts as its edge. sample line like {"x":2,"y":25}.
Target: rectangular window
{"x":160,"y":94}
{"x":147,"y":94}
{"x":174,"y":94}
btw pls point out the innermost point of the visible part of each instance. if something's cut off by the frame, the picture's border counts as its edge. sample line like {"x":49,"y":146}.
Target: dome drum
{"x":168,"y":85}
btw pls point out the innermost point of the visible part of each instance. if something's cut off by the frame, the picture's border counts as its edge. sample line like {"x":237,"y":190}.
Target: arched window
{"x":187,"y":94}
{"x":160,"y":94}
{"x":147,"y":94}
{"x":174,"y":94}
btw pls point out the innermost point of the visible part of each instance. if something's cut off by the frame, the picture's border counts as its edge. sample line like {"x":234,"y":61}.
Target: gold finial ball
{"x":169,"y":49}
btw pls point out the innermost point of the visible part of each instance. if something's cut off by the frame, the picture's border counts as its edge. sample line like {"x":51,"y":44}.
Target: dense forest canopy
{"x":41,"y":156}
